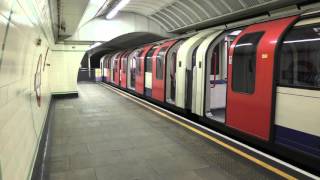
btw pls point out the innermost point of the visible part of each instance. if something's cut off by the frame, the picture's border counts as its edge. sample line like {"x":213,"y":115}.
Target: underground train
{"x":258,"y":83}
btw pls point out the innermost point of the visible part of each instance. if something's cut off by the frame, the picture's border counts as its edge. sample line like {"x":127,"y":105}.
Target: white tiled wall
{"x":21,"y":119}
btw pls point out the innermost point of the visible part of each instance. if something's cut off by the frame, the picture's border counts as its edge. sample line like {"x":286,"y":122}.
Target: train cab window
{"x":160,"y":62}
{"x":299,"y":63}
{"x":244,"y":63}
{"x":149,"y":59}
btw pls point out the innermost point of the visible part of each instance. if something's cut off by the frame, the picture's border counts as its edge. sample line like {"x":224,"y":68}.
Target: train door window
{"x":215,"y":61}
{"x":194,"y":56}
{"x":115,"y":65}
{"x":244,"y":63}
{"x":300,"y":58}
{"x":173,"y":75}
{"x":138,"y":62}
{"x":125,"y":64}
{"x":149,"y":59}
{"x":107,"y":63}
{"x":160,"y":61}
{"x":133,"y":69}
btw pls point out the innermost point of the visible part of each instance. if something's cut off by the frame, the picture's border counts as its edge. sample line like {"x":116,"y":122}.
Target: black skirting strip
{"x":40,"y":166}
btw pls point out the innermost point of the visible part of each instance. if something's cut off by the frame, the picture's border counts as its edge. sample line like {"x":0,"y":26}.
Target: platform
{"x":104,"y":136}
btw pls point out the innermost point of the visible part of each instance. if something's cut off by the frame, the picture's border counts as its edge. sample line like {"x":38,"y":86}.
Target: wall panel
{"x":24,"y":88}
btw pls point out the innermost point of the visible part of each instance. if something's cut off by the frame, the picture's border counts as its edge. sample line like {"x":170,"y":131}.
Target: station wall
{"x":27,"y":81}
{"x":64,"y":65}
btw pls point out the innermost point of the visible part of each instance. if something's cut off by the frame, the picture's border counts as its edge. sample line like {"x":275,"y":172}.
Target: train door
{"x":171,"y":72}
{"x":148,"y":72}
{"x":132,"y":66}
{"x":199,"y":73}
{"x":116,"y":69}
{"x":102,"y":60}
{"x":124,"y":69}
{"x":216,"y":76}
{"x":140,"y":70}
{"x":113,"y":68}
{"x":105,"y":69}
{"x":108,"y":69}
{"x":158,"y":70}
{"x":251,"y":77}
{"x":186,"y":58}
{"x":216,"y":86}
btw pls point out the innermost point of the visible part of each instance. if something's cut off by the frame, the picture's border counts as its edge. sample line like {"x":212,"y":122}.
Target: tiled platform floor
{"x":104,"y":136}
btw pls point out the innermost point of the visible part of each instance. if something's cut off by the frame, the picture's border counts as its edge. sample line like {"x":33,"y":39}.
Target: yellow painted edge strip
{"x":203,"y":134}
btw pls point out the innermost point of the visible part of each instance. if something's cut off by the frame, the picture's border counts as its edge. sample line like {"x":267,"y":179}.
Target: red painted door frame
{"x":158,"y":85}
{"x":252,"y":113}
{"x":139,"y":86}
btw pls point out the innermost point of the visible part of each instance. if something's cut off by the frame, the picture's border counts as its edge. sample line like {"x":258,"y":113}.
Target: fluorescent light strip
{"x":244,"y":44}
{"x":302,"y":40}
{"x":115,"y":10}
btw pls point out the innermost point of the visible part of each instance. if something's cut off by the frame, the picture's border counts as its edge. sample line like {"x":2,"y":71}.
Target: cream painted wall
{"x":64,"y":65}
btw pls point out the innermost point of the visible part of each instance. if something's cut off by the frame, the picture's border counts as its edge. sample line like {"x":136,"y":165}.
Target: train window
{"x":244,"y":63}
{"x":300,"y":58}
{"x":194,"y":56}
{"x":125,"y":64}
{"x":215,"y":61}
{"x":115,"y":66}
{"x":138,"y":62}
{"x":149,"y":59}
{"x":160,"y":62}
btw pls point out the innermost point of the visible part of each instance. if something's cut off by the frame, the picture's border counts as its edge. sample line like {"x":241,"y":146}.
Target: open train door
{"x":251,"y":77}
{"x":158,"y":70}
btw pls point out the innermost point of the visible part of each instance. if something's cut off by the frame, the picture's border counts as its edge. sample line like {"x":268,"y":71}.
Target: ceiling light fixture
{"x":116,"y":9}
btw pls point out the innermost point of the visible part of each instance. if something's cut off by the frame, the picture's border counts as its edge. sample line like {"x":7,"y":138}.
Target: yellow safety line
{"x":203,"y":134}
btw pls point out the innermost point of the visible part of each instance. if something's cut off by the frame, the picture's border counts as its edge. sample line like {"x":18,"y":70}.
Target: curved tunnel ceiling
{"x":174,"y":15}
